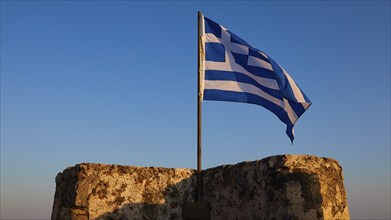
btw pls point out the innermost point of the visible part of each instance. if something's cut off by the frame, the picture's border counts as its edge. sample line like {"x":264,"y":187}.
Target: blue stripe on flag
{"x":222,"y":95}
{"x":239,"y":77}
{"x":298,"y":108}
{"x":238,"y":40}
{"x":289,"y":131}
{"x":255,"y":53}
{"x":283,"y":82}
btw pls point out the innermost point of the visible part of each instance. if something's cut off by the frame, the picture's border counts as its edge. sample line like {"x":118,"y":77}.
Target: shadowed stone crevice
{"x":278,"y":187}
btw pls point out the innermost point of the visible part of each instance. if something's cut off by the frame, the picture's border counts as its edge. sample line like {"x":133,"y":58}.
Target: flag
{"x":233,"y":70}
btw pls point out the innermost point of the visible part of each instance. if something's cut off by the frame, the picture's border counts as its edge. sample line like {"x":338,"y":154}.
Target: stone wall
{"x":278,"y":187}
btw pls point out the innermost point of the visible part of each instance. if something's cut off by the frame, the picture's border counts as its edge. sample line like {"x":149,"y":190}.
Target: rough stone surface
{"x":97,"y":191}
{"x":278,"y":187}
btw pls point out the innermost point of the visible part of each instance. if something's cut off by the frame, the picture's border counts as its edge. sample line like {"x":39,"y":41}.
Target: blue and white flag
{"x":233,"y":70}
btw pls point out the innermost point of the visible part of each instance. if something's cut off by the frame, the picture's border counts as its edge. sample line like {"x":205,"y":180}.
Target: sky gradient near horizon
{"x":115,"y":82}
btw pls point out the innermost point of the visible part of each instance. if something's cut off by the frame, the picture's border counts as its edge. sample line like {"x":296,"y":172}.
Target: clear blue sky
{"x":115,"y":82}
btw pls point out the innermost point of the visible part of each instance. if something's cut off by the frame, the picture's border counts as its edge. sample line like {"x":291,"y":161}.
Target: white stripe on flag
{"x":291,"y":114}
{"x":305,"y":105}
{"x":263,"y":54}
{"x":241,"y":87}
{"x":296,"y":91}
{"x":211,"y":38}
{"x":254,"y":61}
{"x":238,"y":48}
{"x":233,"y":67}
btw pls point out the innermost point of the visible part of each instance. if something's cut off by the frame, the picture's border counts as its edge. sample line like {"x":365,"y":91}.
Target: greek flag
{"x":233,"y":70}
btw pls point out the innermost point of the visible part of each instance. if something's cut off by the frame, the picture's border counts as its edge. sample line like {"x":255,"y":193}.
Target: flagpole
{"x":199,"y":113}
{"x":199,"y":209}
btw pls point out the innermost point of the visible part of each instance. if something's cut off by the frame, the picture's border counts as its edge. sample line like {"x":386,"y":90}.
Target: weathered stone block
{"x":278,"y":187}
{"x":98,"y":191}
